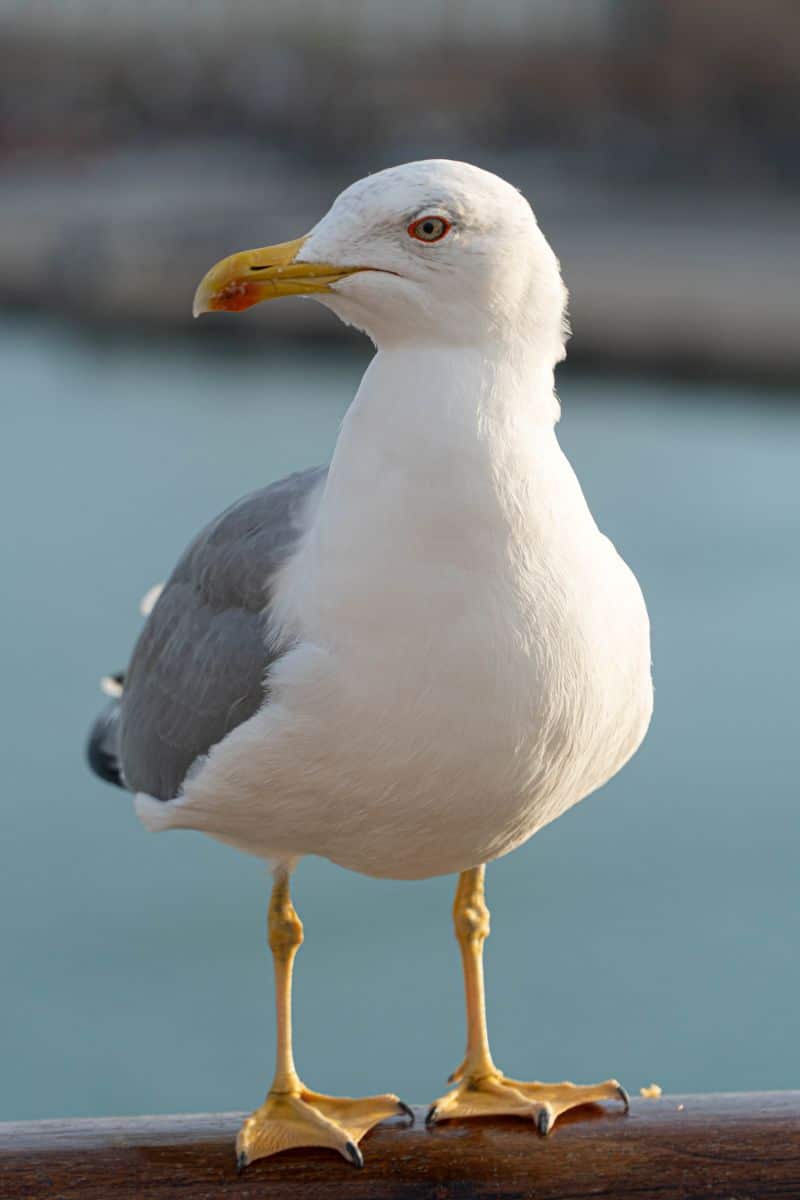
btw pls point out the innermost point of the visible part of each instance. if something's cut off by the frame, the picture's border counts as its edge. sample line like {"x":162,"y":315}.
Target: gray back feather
{"x":199,"y":666}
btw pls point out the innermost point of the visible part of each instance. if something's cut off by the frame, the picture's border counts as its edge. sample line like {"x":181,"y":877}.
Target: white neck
{"x":446,"y":397}
{"x":447,"y":481}
{"x":438,"y":445}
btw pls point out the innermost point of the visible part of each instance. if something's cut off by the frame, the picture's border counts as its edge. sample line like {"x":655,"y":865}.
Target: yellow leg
{"x":482,"y":1090}
{"x":292,"y":1115}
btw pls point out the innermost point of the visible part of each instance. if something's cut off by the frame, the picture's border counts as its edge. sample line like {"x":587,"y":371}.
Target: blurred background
{"x":652,"y":932}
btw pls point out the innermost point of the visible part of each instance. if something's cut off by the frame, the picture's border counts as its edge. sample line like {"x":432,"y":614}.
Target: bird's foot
{"x":301,"y":1117}
{"x":492,"y":1094}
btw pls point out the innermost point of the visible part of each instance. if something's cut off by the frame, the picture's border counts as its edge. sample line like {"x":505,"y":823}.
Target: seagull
{"x":410,"y":661}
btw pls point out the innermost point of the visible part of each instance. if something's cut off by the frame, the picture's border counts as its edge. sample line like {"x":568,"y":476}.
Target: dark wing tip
{"x":101,"y":749}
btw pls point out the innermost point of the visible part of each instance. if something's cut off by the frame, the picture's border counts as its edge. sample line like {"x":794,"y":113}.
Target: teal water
{"x":651,"y":933}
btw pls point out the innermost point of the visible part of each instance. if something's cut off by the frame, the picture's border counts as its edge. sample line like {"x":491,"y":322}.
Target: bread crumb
{"x":650,"y":1093}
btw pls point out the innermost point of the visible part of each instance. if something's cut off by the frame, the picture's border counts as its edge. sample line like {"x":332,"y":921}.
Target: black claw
{"x":624,"y":1097}
{"x":355,"y":1155}
{"x":407,"y":1111}
{"x":544,"y":1122}
{"x":430,"y":1116}
{"x":241,"y":1162}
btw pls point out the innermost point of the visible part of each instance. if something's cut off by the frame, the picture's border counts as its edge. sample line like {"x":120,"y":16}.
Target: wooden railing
{"x":722,"y":1147}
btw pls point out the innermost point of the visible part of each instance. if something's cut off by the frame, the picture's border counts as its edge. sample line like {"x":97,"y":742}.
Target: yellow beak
{"x":247,"y":278}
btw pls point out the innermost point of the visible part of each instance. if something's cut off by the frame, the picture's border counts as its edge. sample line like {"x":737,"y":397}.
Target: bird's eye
{"x":429,"y":229}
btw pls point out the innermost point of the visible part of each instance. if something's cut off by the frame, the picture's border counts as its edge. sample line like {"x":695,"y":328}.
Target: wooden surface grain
{"x":730,"y":1147}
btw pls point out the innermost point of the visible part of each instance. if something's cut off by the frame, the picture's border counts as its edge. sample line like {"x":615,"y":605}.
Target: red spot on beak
{"x":236,"y":296}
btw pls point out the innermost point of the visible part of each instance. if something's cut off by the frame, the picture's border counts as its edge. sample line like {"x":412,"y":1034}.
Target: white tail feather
{"x":154,"y":814}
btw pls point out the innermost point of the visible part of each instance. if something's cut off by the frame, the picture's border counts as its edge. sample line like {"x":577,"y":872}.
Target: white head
{"x":432,"y":251}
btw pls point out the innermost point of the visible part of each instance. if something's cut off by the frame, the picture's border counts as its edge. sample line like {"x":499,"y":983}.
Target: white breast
{"x":472,"y":655}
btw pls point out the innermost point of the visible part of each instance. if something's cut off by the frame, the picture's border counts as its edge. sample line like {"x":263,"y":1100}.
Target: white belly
{"x":468,"y":722}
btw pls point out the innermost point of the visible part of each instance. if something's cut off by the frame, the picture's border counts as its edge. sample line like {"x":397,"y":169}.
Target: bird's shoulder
{"x":230,"y":561}
{"x":200,"y":664}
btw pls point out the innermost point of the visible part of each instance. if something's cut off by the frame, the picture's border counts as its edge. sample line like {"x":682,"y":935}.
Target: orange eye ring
{"x":429,"y":229}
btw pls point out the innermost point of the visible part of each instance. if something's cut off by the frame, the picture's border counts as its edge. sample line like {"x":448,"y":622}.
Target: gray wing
{"x":199,"y":666}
